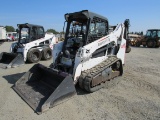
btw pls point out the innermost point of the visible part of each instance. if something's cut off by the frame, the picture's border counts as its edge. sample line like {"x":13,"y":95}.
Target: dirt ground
{"x":134,"y":96}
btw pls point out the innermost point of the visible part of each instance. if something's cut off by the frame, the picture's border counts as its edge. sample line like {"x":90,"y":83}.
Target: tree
{"x":10,"y":29}
{"x":52,"y":31}
{"x":131,"y":32}
{"x":17,"y":30}
{"x":141,"y":32}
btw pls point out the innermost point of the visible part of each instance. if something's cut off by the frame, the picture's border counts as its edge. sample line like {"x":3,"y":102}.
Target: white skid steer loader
{"x":88,"y":56}
{"x":33,"y":45}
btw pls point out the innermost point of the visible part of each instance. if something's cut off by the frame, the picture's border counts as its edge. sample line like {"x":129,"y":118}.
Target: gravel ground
{"x":134,"y":96}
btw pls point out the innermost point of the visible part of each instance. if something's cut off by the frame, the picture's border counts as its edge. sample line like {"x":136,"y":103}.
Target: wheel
{"x":150,"y":44}
{"x":137,"y":44}
{"x":46,"y":53}
{"x":34,"y":55}
{"x":128,"y":49}
{"x":157,"y":45}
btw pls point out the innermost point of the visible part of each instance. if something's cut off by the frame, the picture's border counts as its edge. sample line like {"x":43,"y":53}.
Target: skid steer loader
{"x":89,"y":56}
{"x":33,"y":45}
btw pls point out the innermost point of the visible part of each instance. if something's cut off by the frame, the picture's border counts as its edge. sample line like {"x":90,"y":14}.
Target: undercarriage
{"x":93,"y":79}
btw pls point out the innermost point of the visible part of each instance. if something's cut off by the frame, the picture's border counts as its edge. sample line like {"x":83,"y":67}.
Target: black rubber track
{"x":87,"y":76}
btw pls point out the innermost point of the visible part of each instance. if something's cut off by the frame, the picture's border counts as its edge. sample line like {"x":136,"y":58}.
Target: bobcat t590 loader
{"x":33,"y":45}
{"x":88,"y":56}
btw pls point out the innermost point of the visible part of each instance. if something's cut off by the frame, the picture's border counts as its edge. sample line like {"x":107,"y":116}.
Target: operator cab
{"x":30,"y":32}
{"x":153,"y":33}
{"x":82,"y":28}
{"x":85,"y":27}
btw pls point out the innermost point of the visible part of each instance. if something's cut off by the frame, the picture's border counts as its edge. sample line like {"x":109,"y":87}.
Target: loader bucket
{"x":8,"y":60}
{"x":43,"y":88}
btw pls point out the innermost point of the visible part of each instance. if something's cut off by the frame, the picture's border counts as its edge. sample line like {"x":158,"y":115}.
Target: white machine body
{"x":83,"y":58}
{"x":49,"y":39}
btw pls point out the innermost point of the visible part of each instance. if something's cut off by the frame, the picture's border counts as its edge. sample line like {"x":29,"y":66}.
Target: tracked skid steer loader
{"x":33,"y":45}
{"x":88,"y":56}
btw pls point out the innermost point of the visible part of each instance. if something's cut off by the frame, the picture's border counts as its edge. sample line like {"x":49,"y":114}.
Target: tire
{"x":46,"y":53}
{"x":34,"y":55}
{"x":150,"y":44}
{"x":157,"y":45}
{"x":137,"y":44}
{"x":128,"y":49}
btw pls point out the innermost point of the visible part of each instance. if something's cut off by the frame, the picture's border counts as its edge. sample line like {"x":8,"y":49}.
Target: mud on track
{"x":135,"y":95}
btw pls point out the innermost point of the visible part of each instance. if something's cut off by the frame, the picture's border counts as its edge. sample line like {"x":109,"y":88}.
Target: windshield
{"x":24,"y":35}
{"x":153,"y":33}
{"x":76,"y":33}
{"x":98,"y":28}
{"x":76,"y":28}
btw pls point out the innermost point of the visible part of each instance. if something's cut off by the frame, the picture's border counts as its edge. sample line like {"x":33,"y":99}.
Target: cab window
{"x":158,"y":33}
{"x":98,"y":27}
{"x":40,"y":32}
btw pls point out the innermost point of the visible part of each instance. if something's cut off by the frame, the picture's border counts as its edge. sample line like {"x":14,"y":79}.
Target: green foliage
{"x":52,"y":31}
{"x":17,"y":30}
{"x":10,"y":29}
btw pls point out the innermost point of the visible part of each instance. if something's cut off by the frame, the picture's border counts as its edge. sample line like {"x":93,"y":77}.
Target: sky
{"x":143,"y":14}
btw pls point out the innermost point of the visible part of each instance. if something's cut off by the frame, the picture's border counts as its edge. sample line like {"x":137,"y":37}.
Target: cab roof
{"x":84,"y":14}
{"x":28,"y":25}
{"x":153,"y":30}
